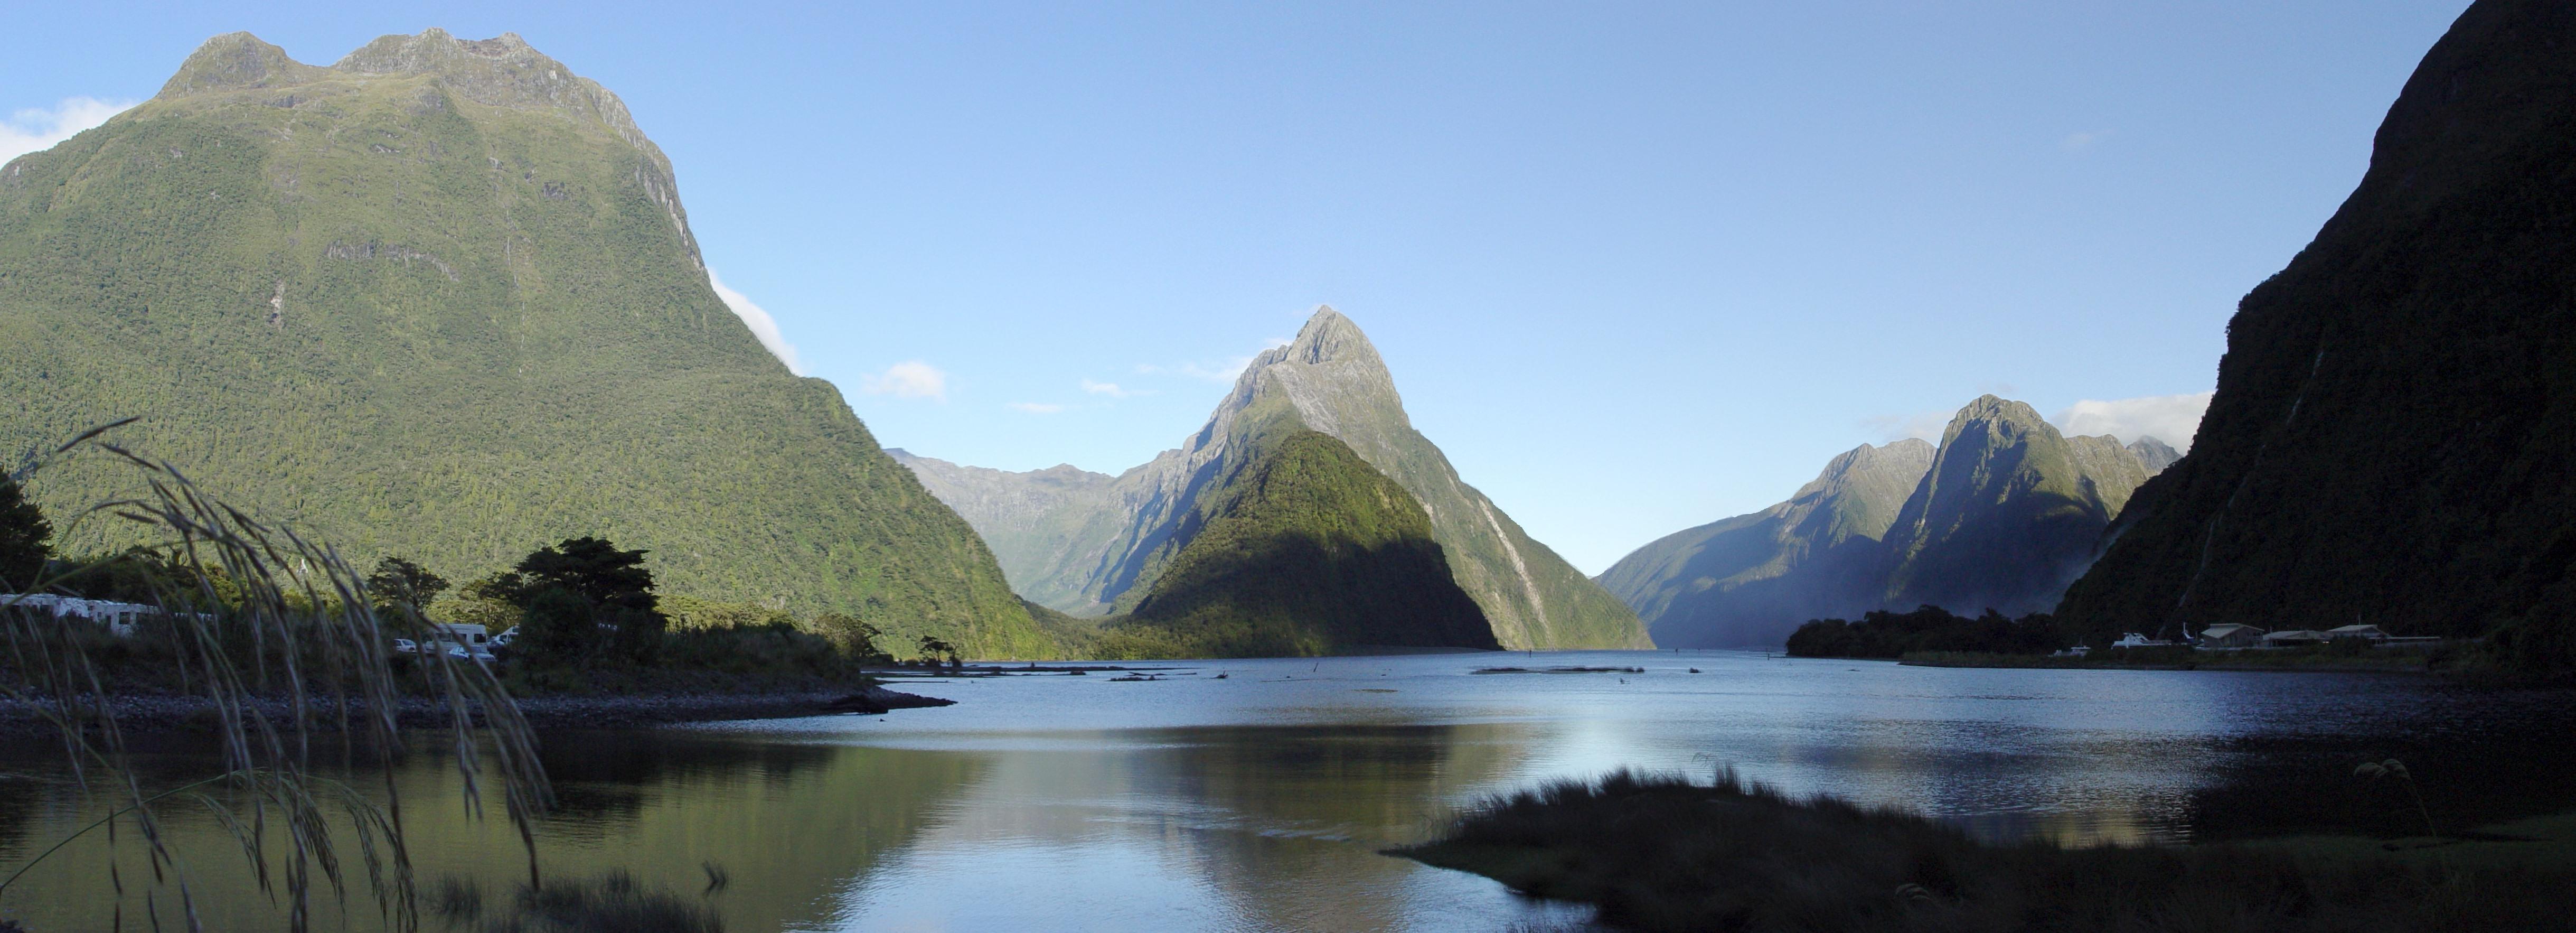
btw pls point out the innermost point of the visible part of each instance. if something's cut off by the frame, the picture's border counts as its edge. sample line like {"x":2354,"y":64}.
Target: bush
{"x":1891,"y":635}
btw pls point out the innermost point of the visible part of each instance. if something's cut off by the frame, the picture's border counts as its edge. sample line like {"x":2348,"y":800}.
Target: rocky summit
{"x":440,"y":300}
{"x":1097,"y":550}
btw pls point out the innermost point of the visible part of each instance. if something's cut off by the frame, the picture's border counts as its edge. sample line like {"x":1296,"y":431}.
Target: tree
{"x":399,"y":580}
{"x":932,"y":649}
{"x":23,"y":536}
{"x":611,"y":583}
{"x":595,"y":570}
{"x":559,"y":626}
{"x":855,"y":639}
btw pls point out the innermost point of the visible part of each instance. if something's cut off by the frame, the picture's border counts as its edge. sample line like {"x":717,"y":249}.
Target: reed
{"x":280,"y":639}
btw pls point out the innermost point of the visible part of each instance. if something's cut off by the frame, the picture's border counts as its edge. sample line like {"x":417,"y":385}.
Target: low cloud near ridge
{"x":1223,"y":373}
{"x":2172,"y":419}
{"x":763,"y":327}
{"x":36,"y":129}
{"x":908,"y":379}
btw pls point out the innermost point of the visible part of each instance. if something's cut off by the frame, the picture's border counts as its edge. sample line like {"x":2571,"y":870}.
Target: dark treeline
{"x":584,"y":613}
{"x":1884,"y":634}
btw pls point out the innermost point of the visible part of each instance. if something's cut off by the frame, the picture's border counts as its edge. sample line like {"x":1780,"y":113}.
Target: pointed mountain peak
{"x":1329,"y":336}
{"x":236,"y":60}
{"x":2001,"y":417}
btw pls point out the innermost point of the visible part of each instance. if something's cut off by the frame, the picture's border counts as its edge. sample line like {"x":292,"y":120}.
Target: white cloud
{"x":36,"y":128}
{"x":2172,"y":419}
{"x":1223,"y":372}
{"x":1036,"y":408}
{"x":2080,"y":141}
{"x":762,"y":325}
{"x":908,"y":379}
{"x":1112,"y":389}
{"x":1927,"y":425}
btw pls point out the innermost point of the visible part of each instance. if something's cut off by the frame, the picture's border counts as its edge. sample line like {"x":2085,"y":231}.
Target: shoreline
{"x":148,"y":713}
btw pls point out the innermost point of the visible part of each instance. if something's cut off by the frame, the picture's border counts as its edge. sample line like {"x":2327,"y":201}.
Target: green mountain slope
{"x":2394,"y":431}
{"x":2002,"y":514}
{"x":1100,"y":552}
{"x":2009,"y":513}
{"x":1750,"y":580}
{"x":1305,"y":550}
{"x":441,"y":300}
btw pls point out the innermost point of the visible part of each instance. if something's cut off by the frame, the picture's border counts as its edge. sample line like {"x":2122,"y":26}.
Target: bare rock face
{"x":1100,"y":552}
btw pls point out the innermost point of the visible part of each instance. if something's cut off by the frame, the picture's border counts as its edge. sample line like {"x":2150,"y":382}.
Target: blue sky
{"x":1636,"y":266}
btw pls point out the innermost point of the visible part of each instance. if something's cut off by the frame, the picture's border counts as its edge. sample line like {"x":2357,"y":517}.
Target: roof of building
{"x":2366,"y":630}
{"x":2231,"y":628}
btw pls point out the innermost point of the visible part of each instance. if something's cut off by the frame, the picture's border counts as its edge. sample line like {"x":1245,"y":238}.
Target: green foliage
{"x":399,"y":580}
{"x":1891,"y":635}
{"x":1307,"y":549}
{"x":559,"y":629}
{"x":25,"y":538}
{"x":424,"y":320}
{"x":1659,"y":853}
{"x":2394,"y":429}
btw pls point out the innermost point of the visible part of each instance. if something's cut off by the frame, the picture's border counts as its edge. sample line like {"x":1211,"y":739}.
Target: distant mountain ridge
{"x":2002,"y":514}
{"x":441,"y":300}
{"x":1100,"y":551}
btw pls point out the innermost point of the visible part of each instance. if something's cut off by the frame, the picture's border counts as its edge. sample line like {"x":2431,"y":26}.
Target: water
{"x":1262,"y":801}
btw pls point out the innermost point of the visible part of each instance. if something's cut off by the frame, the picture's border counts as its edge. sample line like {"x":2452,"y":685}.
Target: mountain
{"x":2394,"y":431}
{"x":1100,"y":552}
{"x":1304,"y":549}
{"x":1750,"y":580}
{"x":2009,"y":513}
{"x":2156,"y":454}
{"x":2001,"y":515}
{"x":441,"y":300}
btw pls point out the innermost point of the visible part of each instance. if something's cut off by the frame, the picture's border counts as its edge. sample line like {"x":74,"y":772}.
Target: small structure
{"x":2295,"y":638}
{"x":2230,"y":635}
{"x":2076,"y":651}
{"x":118,"y":617}
{"x":2370,"y":632}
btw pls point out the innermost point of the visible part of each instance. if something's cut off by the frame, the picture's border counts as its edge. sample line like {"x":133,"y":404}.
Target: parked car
{"x":406,"y":646}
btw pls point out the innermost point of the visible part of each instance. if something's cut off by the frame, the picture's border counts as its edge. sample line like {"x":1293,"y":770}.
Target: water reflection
{"x":1262,"y":801}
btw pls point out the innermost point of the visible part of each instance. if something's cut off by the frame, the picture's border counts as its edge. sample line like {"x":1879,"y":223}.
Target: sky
{"x":1636,"y":267}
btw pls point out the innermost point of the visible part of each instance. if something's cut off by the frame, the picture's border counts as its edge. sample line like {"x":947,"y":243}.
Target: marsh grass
{"x":611,"y":903}
{"x":1666,"y":853}
{"x":279,"y":638}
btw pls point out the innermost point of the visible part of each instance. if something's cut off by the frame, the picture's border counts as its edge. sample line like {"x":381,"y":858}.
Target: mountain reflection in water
{"x":1261,"y":801}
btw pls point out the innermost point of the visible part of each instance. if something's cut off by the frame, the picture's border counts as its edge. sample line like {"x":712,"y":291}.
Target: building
{"x":2230,"y":635}
{"x":2295,"y":638}
{"x":118,"y":617}
{"x":2371,"y":632}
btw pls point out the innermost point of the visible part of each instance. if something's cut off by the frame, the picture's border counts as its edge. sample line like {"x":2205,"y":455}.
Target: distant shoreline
{"x":172,"y":712}
{"x":2409,"y":663}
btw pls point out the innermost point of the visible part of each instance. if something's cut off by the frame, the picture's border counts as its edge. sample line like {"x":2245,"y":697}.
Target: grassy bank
{"x":1660,"y":853}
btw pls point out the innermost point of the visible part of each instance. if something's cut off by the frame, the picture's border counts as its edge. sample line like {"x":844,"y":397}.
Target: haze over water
{"x":1262,"y":801}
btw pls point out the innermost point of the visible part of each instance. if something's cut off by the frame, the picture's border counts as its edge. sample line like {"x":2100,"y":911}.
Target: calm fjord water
{"x":1261,"y":801}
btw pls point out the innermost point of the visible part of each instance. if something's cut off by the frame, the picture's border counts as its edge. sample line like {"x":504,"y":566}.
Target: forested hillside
{"x":440,"y":300}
